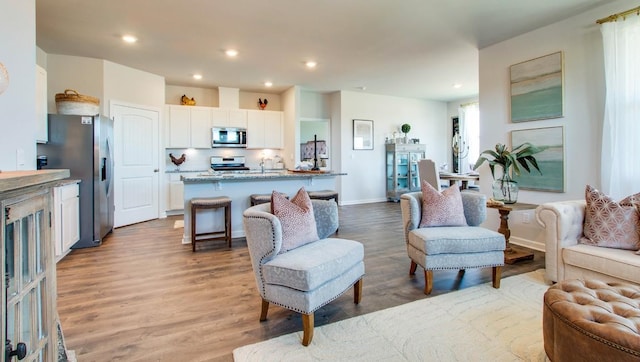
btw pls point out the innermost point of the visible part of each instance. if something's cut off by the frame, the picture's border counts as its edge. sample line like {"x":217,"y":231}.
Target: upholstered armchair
{"x":305,"y":278}
{"x":451,"y":247}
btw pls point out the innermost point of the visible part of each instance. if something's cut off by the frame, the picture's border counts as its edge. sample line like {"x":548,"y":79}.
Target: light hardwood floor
{"x":143,"y":296}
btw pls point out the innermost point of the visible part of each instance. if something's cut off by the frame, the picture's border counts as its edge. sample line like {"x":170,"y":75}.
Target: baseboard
{"x":357,"y":202}
{"x":531,"y":244}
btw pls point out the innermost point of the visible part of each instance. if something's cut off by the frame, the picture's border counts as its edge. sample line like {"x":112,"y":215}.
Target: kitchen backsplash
{"x":199,"y":159}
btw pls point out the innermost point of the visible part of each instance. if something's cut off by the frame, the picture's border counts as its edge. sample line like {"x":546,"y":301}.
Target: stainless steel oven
{"x":228,"y":137}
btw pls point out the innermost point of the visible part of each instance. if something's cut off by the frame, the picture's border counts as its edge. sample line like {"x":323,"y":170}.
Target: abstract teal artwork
{"x":550,"y":161}
{"x":536,"y":89}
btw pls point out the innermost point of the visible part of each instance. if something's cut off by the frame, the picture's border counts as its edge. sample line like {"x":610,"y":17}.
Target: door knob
{"x":156,"y":170}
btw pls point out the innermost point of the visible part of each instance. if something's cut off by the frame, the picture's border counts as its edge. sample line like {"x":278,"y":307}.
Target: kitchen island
{"x":238,"y":187}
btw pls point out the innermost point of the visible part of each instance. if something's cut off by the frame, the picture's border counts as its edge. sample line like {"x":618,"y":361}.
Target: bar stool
{"x":211,"y":203}
{"x":324,"y":195}
{"x":257,"y":199}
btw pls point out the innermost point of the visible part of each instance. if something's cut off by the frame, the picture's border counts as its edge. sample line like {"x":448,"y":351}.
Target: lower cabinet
{"x":66,"y":218}
{"x":175,"y":192}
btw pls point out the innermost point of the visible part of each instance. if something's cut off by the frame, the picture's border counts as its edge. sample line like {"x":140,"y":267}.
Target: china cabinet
{"x":27,"y":253}
{"x":402,"y":168}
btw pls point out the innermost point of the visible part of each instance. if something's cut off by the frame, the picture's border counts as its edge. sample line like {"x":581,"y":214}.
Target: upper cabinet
{"x":264,"y":129}
{"x":236,"y":118}
{"x":41,"y":105}
{"x":189,"y":127}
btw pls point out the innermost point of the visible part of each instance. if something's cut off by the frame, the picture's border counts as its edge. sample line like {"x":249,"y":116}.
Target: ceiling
{"x":407,"y":48}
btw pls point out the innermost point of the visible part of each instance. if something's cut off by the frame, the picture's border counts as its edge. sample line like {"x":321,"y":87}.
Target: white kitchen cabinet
{"x":189,"y":127}
{"x":236,"y":118}
{"x":66,"y":218}
{"x":264,"y":129}
{"x":41,"y":105}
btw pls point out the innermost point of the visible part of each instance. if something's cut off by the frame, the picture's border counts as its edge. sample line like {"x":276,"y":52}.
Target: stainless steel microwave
{"x":228,"y":137}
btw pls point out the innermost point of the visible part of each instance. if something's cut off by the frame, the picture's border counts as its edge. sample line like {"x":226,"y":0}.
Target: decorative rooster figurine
{"x":262,"y":104}
{"x":178,"y":161}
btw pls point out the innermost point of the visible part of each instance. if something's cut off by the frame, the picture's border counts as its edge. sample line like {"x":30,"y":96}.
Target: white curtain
{"x":621,"y":129}
{"x":469,"y":134}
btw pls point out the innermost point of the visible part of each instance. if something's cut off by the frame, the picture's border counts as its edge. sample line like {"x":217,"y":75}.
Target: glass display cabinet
{"x":402,"y":168}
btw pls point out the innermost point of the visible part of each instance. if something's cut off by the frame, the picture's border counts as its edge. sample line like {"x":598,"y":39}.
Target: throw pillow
{"x":296,"y":218}
{"x":441,"y":209}
{"x":611,"y":224}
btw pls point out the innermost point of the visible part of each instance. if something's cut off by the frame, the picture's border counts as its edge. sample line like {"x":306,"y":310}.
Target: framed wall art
{"x":362,"y":134}
{"x":550,"y":161}
{"x":537,"y":88}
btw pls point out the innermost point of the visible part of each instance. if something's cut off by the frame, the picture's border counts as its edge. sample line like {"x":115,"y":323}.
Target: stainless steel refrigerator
{"x":84,"y":145}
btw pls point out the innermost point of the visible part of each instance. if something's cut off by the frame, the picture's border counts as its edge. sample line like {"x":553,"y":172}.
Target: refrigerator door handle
{"x":110,"y":159}
{"x":104,"y":169}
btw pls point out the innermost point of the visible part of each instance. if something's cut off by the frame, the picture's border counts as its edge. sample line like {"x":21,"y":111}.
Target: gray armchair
{"x":308,"y":277}
{"x":451,"y":247}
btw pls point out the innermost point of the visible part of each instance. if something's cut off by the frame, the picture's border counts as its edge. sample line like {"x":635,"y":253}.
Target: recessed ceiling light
{"x":268,"y":84}
{"x":129,"y":38}
{"x":311,"y":64}
{"x":457,"y":85}
{"x":197,"y":76}
{"x":231,"y":52}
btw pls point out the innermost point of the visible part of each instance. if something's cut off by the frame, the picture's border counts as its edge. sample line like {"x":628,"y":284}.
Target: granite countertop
{"x":249,"y":176}
{"x":185,"y":171}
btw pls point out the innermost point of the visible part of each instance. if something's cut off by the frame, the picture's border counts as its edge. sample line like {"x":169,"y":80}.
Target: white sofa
{"x":565,"y":258}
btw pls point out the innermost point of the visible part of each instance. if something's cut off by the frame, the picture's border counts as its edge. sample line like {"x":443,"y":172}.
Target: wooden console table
{"x":512,"y":254}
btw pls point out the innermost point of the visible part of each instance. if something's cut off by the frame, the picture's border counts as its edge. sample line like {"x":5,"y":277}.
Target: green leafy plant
{"x":405,"y":128}
{"x":521,"y":157}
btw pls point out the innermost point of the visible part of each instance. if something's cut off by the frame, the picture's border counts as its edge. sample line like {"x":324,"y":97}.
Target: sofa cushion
{"x":618,"y":263}
{"x":456,"y":240}
{"x":308,"y":267}
{"x":296,"y":218}
{"x":611,"y":224}
{"x":441,"y":209}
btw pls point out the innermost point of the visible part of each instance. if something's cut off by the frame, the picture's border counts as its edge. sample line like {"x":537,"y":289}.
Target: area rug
{"x":479,"y":323}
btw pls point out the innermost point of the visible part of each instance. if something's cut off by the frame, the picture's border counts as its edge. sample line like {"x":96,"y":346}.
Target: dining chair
{"x":428,"y":171}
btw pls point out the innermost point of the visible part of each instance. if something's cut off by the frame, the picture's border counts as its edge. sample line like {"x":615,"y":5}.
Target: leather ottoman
{"x":590,"y":320}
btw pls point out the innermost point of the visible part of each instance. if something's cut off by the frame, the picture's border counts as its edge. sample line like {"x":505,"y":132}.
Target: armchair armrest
{"x":411,"y":206}
{"x":326,"y":215}
{"x":563,"y":222}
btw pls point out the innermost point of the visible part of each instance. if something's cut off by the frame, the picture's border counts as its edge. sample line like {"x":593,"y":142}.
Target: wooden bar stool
{"x":257,"y":199}
{"x":324,"y":195}
{"x":211,"y":203}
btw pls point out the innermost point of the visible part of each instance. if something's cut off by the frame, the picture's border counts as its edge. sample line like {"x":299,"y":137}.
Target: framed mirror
{"x":362,"y":134}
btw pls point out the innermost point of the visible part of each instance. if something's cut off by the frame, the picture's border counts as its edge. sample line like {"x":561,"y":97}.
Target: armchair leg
{"x":412,"y":268}
{"x":307,"y":329}
{"x":495,"y":276}
{"x":357,"y":291}
{"x":263,"y":312}
{"x":428,"y":281}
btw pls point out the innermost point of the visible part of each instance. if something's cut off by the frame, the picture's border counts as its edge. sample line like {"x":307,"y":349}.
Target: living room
{"x":578,"y":37}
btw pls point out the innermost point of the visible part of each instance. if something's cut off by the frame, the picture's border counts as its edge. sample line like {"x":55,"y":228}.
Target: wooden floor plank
{"x":143,"y":296}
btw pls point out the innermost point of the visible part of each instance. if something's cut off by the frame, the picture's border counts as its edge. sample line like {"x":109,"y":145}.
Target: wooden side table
{"x":512,"y":254}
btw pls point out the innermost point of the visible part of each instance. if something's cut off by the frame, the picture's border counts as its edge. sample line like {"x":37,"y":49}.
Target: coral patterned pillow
{"x":296,"y":218}
{"x":611,"y":224}
{"x":441,"y":209}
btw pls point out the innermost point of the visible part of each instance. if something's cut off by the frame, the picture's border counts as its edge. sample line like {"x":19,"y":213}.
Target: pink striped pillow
{"x":441,"y":209}
{"x":296,"y":218}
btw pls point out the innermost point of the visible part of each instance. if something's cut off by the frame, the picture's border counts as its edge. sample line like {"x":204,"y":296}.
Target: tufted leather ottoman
{"x":590,"y":320}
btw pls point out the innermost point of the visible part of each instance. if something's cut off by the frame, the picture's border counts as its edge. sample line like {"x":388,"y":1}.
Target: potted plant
{"x":405,"y":128}
{"x":514,"y":161}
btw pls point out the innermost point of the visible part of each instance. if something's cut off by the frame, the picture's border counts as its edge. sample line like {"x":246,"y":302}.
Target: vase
{"x":505,"y":190}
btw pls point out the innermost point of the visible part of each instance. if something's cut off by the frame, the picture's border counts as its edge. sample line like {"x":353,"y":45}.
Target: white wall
{"x":132,"y":86}
{"x":205,"y":97}
{"x":291,"y":134}
{"x":580,"y":39}
{"x":365,"y":181}
{"x":84,"y":75}
{"x":18,"y":102}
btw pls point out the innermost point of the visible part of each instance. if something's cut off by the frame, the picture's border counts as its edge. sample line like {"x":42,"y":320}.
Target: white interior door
{"x":136,"y":137}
